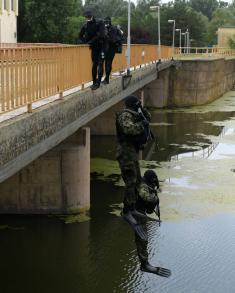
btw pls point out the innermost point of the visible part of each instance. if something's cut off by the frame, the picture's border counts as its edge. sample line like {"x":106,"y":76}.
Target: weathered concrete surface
{"x":26,"y":137}
{"x":196,"y":82}
{"x":56,"y":183}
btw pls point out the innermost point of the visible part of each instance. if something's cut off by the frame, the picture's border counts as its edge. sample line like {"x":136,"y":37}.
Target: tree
{"x":44,"y":21}
{"x":186,"y":18}
{"x":232,"y":43}
{"x":206,"y":7}
{"x":221,"y":17}
{"x":103,"y":8}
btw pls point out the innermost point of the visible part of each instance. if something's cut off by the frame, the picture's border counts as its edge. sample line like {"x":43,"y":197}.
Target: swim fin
{"x":148,"y":268}
{"x":142,"y":216}
{"x":138,"y":228}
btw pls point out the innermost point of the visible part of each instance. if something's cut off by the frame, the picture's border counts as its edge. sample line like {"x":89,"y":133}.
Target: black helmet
{"x":88,"y":13}
{"x":151,"y":178}
{"x":108,"y":20}
{"x":132,"y":102}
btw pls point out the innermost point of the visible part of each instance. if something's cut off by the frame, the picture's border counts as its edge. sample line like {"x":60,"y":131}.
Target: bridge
{"x":45,"y":151}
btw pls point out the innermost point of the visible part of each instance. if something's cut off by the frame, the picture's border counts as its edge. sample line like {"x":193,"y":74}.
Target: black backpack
{"x":115,"y":37}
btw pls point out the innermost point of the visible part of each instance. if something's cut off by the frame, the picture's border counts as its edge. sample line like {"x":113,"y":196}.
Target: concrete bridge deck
{"x":26,"y":137}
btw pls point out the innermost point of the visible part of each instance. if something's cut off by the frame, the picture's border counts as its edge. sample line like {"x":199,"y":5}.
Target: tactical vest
{"x":150,"y":204}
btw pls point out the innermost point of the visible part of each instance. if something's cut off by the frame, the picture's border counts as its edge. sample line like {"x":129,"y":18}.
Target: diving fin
{"x":138,"y":228}
{"x":142,"y":216}
{"x":162,"y":272}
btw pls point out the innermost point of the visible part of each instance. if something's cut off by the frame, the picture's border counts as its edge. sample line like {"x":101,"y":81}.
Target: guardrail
{"x":205,"y":51}
{"x":31,"y":73}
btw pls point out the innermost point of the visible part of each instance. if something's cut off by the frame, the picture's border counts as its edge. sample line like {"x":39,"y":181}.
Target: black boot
{"x":148,"y":268}
{"x":95,"y":86}
{"x":105,"y":81}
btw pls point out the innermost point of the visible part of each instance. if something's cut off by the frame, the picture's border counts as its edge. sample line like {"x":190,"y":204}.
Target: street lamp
{"x":188,"y":41}
{"x":185,"y":41}
{"x":153,"y":8}
{"x":128,"y":52}
{"x":179,"y":30}
{"x":173,"y":41}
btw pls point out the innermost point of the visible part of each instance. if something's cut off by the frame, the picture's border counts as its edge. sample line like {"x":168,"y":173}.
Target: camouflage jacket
{"x":147,"y":193}
{"x":129,"y":125}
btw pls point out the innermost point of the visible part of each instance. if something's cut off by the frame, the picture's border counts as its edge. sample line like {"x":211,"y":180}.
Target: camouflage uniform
{"x":129,"y":126}
{"x":147,"y":196}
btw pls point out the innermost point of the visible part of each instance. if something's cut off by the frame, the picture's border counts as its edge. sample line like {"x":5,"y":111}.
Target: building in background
{"x":224,"y":35}
{"x":8,"y":21}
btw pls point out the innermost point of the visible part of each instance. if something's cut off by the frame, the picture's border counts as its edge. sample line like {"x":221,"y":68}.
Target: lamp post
{"x":185,"y":41}
{"x":128,"y":52}
{"x":159,"y":29}
{"x":179,"y":30}
{"x":188,"y":41}
{"x":173,"y":40}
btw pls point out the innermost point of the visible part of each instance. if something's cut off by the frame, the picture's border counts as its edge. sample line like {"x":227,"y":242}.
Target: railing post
{"x":29,"y":92}
{"x":29,"y":108}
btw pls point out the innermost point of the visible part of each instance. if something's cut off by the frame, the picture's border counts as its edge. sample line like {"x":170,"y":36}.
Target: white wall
{"x":8,"y":21}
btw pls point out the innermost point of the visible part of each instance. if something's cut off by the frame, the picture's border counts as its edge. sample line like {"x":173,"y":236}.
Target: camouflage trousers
{"x":132,"y":177}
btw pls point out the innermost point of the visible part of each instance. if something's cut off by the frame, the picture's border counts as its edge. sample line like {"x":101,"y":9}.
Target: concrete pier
{"x":58,"y":182}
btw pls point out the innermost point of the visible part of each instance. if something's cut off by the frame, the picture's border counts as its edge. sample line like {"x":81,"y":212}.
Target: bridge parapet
{"x":30,"y":73}
{"x":25,"y":138}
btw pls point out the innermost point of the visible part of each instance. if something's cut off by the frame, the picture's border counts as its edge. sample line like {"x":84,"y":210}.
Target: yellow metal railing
{"x":205,"y":51}
{"x":31,"y":73}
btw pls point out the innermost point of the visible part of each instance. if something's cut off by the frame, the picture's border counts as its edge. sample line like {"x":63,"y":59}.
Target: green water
{"x":194,"y":159}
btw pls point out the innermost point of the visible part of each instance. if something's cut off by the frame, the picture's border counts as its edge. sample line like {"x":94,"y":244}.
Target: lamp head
{"x":153,"y":8}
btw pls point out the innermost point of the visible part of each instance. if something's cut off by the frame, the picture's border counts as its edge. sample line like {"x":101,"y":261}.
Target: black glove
{"x":145,"y":123}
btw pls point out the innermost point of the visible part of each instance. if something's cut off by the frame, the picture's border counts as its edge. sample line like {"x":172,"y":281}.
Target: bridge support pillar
{"x":75,"y":173}
{"x":56,"y":183}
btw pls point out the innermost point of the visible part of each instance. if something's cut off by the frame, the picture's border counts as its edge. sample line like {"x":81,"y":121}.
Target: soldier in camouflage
{"x":132,"y":133}
{"x":130,"y":128}
{"x":148,"y":202}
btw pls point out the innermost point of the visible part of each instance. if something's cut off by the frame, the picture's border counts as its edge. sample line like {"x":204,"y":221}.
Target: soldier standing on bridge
{"x":93,"y":33}
{"x":133,"y":132}
{"x":114,"y":45}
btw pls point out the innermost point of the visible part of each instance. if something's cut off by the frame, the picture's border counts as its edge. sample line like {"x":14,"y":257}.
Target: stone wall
{"x":196,"y":82}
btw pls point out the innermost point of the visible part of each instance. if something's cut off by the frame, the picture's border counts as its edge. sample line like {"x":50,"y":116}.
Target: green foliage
{"x":206,"y":7}
{"x":45,"y":21}
{"x":186,"y":18}
{"x":232,"y":43}
{"x":61,"y":20}
{"x":221,"y":17}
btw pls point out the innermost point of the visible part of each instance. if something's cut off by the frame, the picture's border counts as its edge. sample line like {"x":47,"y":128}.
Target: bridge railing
{"x":204,"y":51}
{"x":30,"y":73}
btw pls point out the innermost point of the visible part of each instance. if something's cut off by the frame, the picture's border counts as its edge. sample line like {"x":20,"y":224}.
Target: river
{"x":195,"y":161}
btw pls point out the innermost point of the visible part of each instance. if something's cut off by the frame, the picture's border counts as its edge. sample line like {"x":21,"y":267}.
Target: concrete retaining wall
{"x":196,"y":82}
